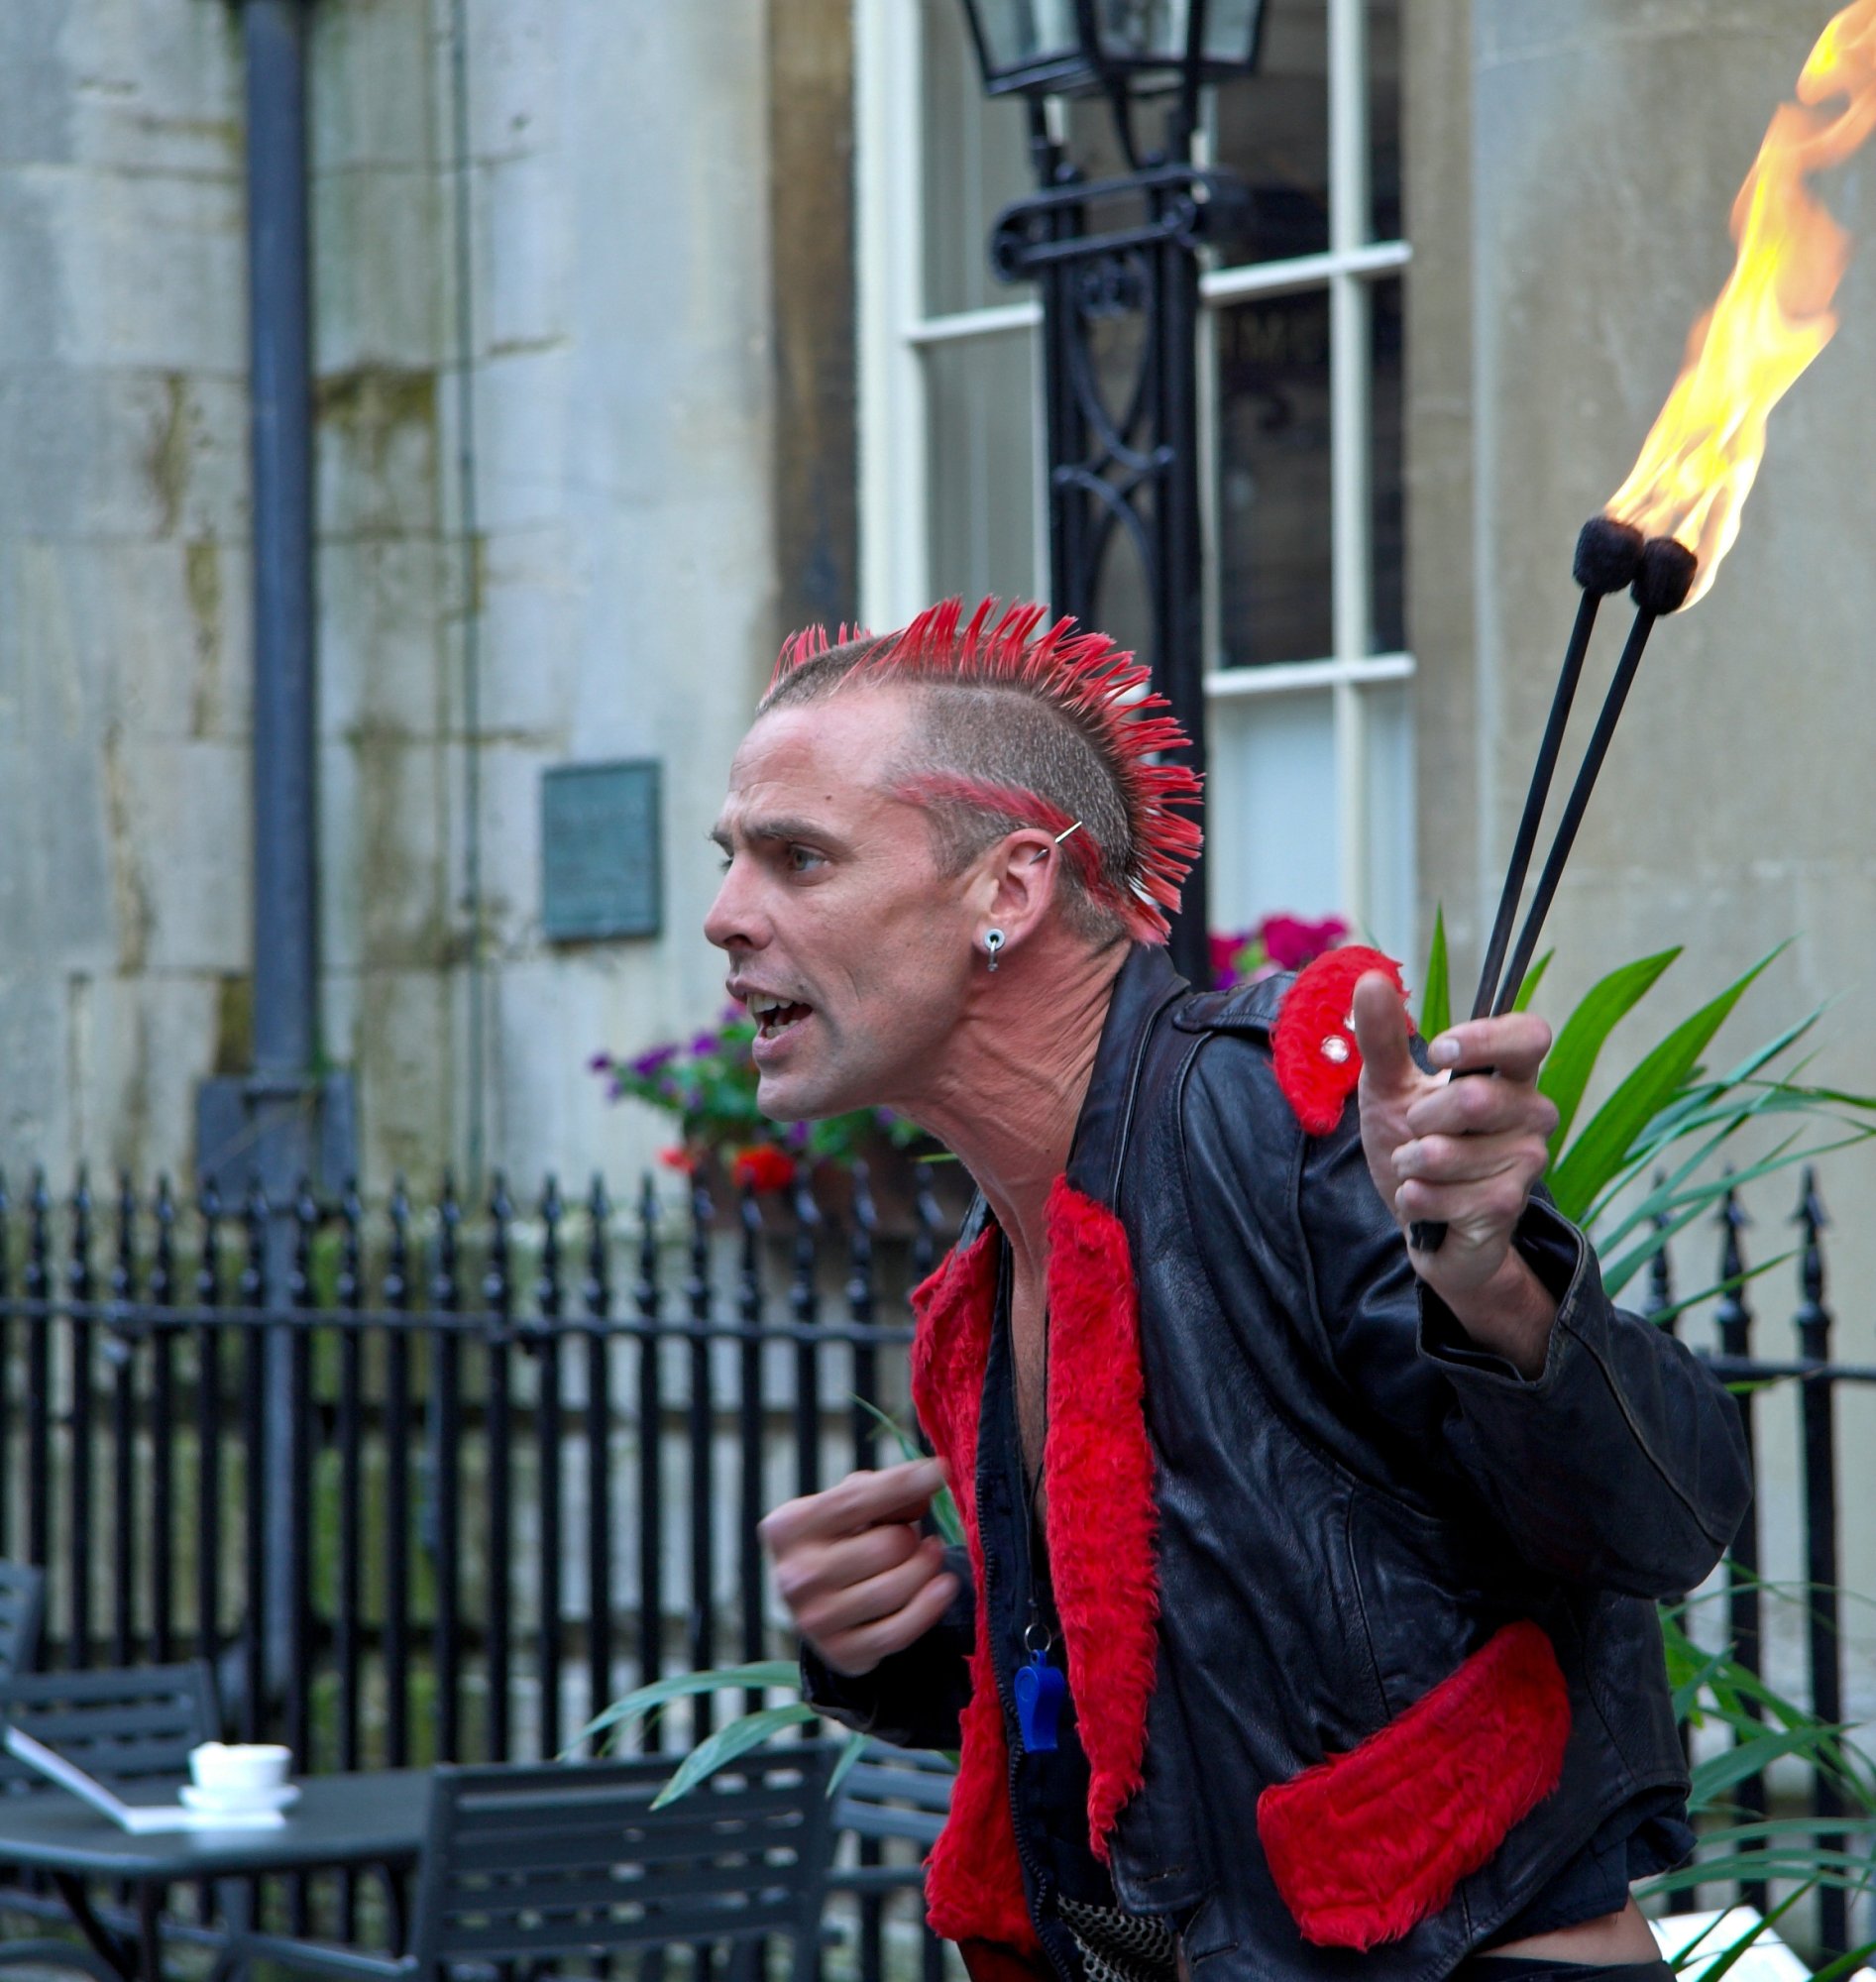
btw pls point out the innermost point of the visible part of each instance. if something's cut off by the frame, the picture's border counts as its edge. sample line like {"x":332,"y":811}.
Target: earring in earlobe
{"x":994,"y":940}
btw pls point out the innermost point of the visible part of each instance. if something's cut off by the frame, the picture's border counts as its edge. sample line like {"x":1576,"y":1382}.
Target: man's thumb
{"x":1382,"y":1031}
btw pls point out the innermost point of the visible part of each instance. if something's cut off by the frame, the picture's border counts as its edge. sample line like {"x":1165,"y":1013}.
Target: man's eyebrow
{"x":778,"y":829}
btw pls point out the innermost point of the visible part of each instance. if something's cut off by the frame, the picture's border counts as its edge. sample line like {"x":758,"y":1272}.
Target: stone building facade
{"x":707,"y":281}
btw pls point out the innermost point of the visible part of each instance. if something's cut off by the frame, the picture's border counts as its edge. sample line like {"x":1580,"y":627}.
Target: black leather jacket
{"x":1351,"y":1497}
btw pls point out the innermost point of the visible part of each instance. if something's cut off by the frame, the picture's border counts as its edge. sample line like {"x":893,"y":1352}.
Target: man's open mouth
{"x":774,"y":1016}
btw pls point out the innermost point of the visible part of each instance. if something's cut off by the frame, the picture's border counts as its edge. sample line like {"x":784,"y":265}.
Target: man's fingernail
{"x":1444,"y":1053}
{"x":1407,"y":1158}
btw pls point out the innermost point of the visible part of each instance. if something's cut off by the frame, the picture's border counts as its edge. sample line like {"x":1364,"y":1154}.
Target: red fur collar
{"x":1098,"y":1470}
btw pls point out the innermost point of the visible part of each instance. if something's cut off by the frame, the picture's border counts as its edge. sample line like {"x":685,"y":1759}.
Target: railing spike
{"x":124,"y":1262}
{"x":162,"y":1259}
{"x":547,"y":1295}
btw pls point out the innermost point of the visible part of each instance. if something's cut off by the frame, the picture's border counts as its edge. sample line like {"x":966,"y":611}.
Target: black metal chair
{"x":568,"y":1862}
{"x":891,"y":1793}
{"x":120,"y":1725}
{"x":22,"y":1609}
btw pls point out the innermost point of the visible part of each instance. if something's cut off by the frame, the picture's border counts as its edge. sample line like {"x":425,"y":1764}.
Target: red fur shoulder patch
{"x":1365,"y":1846}
{"x":1098,"y":1464}
{"x":1318,"y":1063}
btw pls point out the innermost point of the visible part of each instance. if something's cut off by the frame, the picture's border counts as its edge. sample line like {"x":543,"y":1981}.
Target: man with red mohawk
{"x":1305,"y":1624}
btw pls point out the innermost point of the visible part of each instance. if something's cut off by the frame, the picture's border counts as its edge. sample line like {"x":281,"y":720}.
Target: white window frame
{"x":895,"y":332}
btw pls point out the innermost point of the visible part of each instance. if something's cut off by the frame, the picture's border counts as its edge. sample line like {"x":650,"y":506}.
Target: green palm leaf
{"x":1436,"y":987}
{"x":1572,"y":1059}
{"x":719,"y":1679}
{"x":1602,"y":1148}
{"x":751,"y":1730}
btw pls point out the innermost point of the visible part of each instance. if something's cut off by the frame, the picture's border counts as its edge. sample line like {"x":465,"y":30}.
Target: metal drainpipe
{"x":282,"y":1094}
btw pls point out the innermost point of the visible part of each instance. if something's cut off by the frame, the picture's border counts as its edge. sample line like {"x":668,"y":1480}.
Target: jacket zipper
{"x":1039,"y":1881}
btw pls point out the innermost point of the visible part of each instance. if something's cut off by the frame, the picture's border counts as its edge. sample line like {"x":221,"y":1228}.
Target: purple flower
{"x":796,"y":1135}
{"x":648,"y":1064}
{"x":704,"y":1044}
{"x":601,"y":1063}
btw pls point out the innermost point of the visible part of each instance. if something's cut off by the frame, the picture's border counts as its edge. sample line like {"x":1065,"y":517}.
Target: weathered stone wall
{"x":1573,"y":173}
{"x":123,"y":573}
{"x":615,"y":597}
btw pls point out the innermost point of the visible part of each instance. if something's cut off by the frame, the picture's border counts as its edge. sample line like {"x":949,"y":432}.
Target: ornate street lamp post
{"x":1124,"y":463}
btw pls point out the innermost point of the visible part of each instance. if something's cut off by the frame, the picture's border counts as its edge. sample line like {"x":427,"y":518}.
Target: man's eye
{"x":802,"y":858}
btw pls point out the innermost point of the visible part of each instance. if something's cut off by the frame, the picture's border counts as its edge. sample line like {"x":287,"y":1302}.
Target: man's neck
{"x":1007,"y":1097}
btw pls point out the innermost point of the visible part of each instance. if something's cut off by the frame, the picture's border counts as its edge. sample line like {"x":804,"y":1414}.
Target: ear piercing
{"x":994,"y":940}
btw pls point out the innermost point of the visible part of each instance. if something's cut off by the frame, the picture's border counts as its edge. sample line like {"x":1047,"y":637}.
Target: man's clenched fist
{"x":859,"y":1578}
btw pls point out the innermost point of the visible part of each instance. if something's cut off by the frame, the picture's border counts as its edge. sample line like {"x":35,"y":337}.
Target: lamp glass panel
{"x":1143,"y":31}
{"x":1018,"y":32}
{"x":1230,"y":30}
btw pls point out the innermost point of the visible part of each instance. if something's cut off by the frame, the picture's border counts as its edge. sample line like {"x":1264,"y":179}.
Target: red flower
{"x":678,"y":1157}
{"x":763,"y":1167}
{"x":1290,"y":942}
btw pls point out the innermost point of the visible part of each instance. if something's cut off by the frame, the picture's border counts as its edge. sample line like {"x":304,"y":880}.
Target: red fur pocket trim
{"x":1318,"y":1063}
{"x":1367,"y":1845}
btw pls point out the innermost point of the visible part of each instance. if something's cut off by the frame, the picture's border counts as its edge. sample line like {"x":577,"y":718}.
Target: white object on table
{"x":134,"y":1817}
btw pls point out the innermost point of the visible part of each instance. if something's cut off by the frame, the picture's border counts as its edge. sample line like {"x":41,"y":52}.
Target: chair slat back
{"x":893,"y":1793}
{"x":22,"y":1609}
{"x":118,"y":1723}
{"x":537,"y":1864}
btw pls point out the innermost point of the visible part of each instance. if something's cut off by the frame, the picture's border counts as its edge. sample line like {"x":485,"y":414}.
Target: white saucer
{"x":228,"y":1803}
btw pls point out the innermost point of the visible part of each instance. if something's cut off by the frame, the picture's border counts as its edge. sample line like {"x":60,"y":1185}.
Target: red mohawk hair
{"x":1101,"y":690}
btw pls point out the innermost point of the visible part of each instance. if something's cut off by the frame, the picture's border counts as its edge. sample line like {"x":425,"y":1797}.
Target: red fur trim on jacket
{"x":1098,"y":1466}
{"x":1315,"y":1015}
{"x":1367,"y":1844}
{"x":973,"y":1879}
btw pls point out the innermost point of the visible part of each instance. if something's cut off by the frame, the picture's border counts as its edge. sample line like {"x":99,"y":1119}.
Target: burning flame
{"x":1773,"y":318}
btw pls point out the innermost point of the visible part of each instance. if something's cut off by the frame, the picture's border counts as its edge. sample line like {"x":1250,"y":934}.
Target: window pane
{"x":1273,"y":130}
{"x":1273,"y":467}
{"x":1384,"y":119}
{"x":975,"y":162}
{"x":1386,"y":710}
{"x":1270,"y":830}
{"x":1387,"y":472}
{"x":981,"y":393}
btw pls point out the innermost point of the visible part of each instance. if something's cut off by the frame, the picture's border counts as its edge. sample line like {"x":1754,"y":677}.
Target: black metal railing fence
{"x":460,"y":1482}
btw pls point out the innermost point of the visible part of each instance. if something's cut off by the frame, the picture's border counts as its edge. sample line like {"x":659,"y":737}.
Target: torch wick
{"x":1542,"y":774}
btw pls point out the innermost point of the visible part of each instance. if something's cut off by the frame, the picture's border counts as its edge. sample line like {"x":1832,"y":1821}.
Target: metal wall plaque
{"x":601,"y":859}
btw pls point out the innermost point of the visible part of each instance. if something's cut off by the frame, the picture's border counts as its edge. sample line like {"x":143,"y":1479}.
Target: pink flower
{"x":1291,"y":942}
{"x":678,"y":1157}
{"x":1223,"y":953}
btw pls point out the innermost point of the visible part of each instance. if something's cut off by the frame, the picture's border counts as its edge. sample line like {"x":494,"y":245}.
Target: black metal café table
{"x":340,"y":1822}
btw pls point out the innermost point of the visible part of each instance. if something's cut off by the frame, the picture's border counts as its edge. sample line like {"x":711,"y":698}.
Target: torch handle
{"x":1546,"y":769}
{"x":1574,"y":810}
{"x":1428,"y":1235}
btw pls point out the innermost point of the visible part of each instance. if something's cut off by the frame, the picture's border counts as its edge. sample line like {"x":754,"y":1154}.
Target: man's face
{"x":851,"y":951}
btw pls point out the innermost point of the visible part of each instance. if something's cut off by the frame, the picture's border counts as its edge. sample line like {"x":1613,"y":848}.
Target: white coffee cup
{"x":230,"y":1768}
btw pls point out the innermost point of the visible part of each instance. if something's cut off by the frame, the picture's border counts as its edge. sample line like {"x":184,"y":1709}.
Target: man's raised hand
{"x":859,"y":1578}
{"x":1464,"y":1154}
